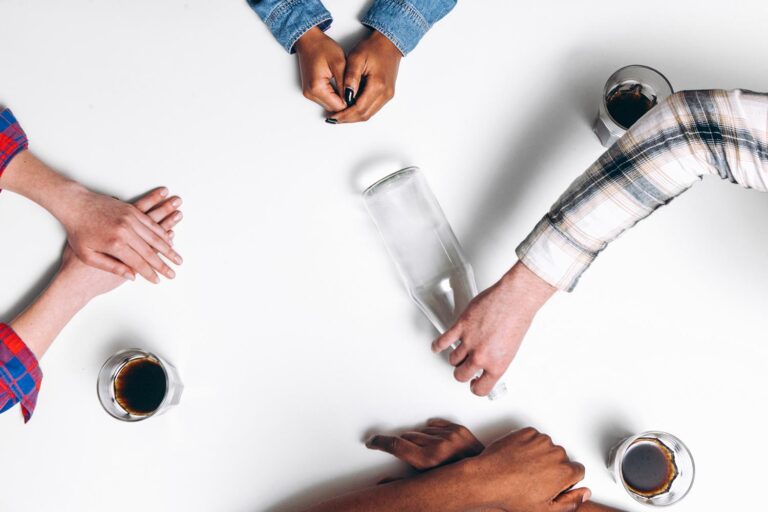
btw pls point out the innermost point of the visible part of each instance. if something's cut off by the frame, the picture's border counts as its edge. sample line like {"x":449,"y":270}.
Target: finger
{"x":127,"y":255}
{"x":571,"y":501}
{"x":440,"y":422}
{"x":458,"y":354}
{"x":150,"y":256}
{"x":108,"y":264}
{"x":160,"y":211}
{"x":151,"y":198}
{"x":389,"y":480}
{"x":353,"y":73}
{"x":447,"y":339}
{"x":366,"y":105}
{"x":156,"y":243}
{"x":321,"y":91}
{"x":466,"y":370}
{"x":420,"y":438}
{"x":150,"y":224}
{"x":337,"y":69}
{"x":404,"y":450}
{"x":484,"y":384}
{"x":171,"y":221}
{"x":171,"y":234}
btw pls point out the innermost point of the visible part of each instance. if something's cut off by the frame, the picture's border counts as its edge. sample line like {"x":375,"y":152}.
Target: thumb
{"x":571,"y":501}
{"x":353,"y":74}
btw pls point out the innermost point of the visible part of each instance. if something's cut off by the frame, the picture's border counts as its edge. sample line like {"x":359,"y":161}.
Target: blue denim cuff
{"x":291,"y":19}
{"x":399,"y":21}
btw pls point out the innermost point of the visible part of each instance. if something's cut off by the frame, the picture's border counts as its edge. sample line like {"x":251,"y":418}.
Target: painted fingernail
{"x":163,"y":192}
{"x":331,"y":120}
{"x":129,"y":276}
{"x":176,"y":202}
{"x":349,"y":96}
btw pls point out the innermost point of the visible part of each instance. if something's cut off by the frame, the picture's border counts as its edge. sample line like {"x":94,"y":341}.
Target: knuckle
{"x":307,"y":93}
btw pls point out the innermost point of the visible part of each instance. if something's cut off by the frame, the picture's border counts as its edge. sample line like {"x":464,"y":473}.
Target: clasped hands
{"x":351,"y":88}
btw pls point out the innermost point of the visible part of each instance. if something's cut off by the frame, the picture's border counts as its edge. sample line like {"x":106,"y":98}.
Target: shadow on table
{"x":26,"y":298}
{"x":358,"y":480}
{"x":610,"y":433}
{"x":573,"y":93}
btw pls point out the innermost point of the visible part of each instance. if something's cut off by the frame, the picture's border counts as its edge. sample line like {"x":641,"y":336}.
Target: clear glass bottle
{"x":424,"y":248}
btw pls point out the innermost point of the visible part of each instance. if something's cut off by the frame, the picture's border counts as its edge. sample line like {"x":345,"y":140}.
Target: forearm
{"x":405,"y":23}
{"x":439,"y":490}
{"x":690,"y":135}
{"x":289,"y":20}
{"x":43,"y":320}
{"x":28,"y":176}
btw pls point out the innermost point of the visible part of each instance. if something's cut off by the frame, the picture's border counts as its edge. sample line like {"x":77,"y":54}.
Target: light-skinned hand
{"x":89,"y":281}
{"x":321,"y":61}
{"x":493,"y":326}
{"x":369,"y":78}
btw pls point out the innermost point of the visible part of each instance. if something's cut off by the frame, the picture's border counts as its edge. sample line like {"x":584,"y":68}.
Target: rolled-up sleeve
{"x":405,"y":22}
{"x":20,"y":374}
{"x":690,"y":135}
{"x":12,"y":138}
{"x":288,"y":20}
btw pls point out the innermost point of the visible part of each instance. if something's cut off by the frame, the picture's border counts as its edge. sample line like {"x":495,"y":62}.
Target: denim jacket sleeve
{"x":288,"y":20}
{"x":404,"y":22}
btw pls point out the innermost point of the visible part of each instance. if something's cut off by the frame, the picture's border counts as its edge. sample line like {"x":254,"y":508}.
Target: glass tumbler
{"x":424,"y":248}
{"x":625,"y":468}
{"x":628,"y":94}
{"x":106,"y":385}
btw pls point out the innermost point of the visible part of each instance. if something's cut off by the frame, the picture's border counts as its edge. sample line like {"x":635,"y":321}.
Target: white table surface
{"x":287,"y":321}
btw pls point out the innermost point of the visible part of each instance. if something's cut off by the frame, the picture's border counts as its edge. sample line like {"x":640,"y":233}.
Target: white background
{"x":288,"y":323}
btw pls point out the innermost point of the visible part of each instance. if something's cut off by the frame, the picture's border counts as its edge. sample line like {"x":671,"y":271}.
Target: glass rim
{"x":141,"y":354}
{"x":389,"y":177}
{"x":643,"y":66}
{"x":657,"y":435}
{"x":611,"y":78}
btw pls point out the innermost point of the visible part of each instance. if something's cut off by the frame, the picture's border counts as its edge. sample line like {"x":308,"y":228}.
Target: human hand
{"x":321,"y":60}
{"x":374,"y":63}
{"x":525,"y":472}
{"x":88,"y":282}
{"x":493,"y":326}
{"x":440,"y":443}
{"x":117,"y":237}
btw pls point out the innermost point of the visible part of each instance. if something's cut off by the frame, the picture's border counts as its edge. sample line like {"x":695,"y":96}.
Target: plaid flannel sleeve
{"x":20,"y":374}
{"x":12,"y":138}
{"x":688,"y":136}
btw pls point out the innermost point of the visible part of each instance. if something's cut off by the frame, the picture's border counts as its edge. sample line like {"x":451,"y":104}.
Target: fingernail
{"x":163,"y":192}
{"x":587,"y":496}
{"x":170,"y":274}
{"x":155,"y":279}
{"x":331,"y":120}
{"x":171,"y":234}
{"x":176,"y":202}
{"x":178,"y":259}
{"x":349,"y":96}
{"x":369,"y":442}
{"x":177,"y":216}
{"x":129,"y":276}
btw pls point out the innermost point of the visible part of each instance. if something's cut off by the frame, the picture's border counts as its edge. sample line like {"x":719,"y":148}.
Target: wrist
{"x":384,"y":43}
{"x":309,"y":38}
{"x":529,"y":289}
{"x":68,"y":286}
{"x":28,"y":176}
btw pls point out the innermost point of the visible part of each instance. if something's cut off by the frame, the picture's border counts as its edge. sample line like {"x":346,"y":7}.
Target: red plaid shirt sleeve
{"x":12,"y":138}
{"x":20,"y":374}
